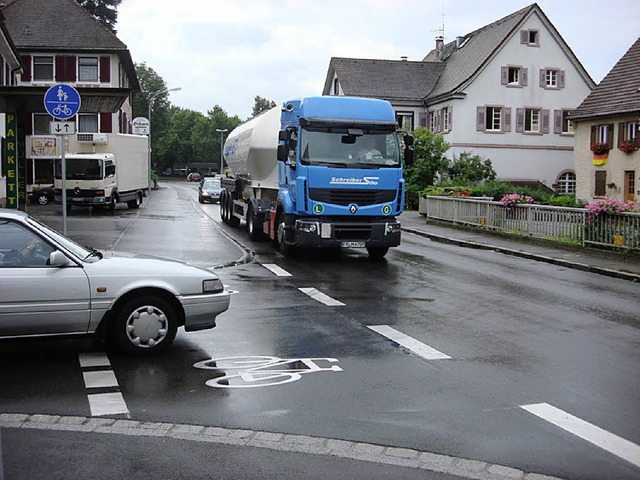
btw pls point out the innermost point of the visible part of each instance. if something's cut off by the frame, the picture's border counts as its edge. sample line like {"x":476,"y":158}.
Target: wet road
{"x":495,"y":348}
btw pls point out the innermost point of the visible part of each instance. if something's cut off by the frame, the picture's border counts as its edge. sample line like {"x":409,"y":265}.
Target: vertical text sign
{"x":11,"y":153}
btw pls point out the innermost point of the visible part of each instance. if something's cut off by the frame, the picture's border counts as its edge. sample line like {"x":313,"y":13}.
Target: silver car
{"x":50,"y":285}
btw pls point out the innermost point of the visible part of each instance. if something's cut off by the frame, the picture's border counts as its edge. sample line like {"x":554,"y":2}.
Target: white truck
{"x":111,"y":169}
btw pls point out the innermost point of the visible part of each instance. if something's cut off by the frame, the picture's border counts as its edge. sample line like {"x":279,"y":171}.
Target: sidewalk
{"x":613,"y":264}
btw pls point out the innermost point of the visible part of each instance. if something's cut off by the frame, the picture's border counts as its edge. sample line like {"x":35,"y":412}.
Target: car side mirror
{"x":59,"y":259}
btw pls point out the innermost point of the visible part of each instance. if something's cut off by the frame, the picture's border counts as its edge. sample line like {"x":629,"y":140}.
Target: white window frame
{"x":552,"y":78}
{"x":631,"y":133}
{"x":532,"y":120}
{"x":517,"y":74}
{"x":446,"y":122}
{"x":566,"y":183}
{"x":567,"y":123}
{"x":603,"y":134}
{"x":493,"y":115}
{"x":83,"y":69}
{"x":83,"y":119}
{"x":43,"y":60}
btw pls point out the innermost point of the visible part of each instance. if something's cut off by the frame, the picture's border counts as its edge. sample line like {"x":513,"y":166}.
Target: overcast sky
{"x":223,"y":52}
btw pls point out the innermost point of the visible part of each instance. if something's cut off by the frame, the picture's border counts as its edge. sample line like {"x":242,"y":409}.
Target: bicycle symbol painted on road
{"x":263,"y":371}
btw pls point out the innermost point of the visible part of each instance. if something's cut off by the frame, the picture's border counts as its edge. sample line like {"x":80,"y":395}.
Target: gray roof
{"x":390,"y":79}
{"x":62,"y":26}
{"x":476,"y":48}
{"x":618,"y":92}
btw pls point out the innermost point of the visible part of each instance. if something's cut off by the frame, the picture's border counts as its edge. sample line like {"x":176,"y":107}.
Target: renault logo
{"x":353,"y":209}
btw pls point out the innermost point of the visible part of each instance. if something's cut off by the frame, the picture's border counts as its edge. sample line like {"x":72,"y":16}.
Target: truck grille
{"x":347,"y":197}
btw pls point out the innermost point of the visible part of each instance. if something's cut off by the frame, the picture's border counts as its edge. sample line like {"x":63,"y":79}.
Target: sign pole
{"x":64,"y":187}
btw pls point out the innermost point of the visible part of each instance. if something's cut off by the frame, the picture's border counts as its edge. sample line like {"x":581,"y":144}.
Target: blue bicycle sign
{"x":62,"y":101}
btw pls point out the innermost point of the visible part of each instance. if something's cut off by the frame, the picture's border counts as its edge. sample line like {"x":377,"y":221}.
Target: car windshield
{"x":81,"y":169}
{"x":211,"y":184}
{"x":62,"y":241}
{"x":350,"y":147}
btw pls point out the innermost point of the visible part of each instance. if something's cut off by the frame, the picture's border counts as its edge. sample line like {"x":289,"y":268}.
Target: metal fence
{"x":541,"y":221}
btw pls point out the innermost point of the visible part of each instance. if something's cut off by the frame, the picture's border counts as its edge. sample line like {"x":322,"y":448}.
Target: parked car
{"x":209,"y":190}
{"x":53,"y":286}
{"x":42,"y":195}
{"x":194,"y":177}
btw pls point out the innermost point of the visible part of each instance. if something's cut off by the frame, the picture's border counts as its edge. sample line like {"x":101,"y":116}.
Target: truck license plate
{"x":352,"y":244}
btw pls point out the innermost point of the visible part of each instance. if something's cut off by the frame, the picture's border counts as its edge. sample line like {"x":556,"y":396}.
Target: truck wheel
{"x":111,"y":206}
{"x":233,"y":220}
{"x":144,"y":326}
{"x":282,"y":247}
{"x":376,"y":253}
{"x":135,"y":203}
{"x":254,"y":225}
{"x":223,"y":206}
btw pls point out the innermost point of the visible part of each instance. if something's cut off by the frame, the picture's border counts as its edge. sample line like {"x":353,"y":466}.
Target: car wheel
{"x":223,"y":206}
{"x":144,"y":326}
{"x":43,"y":199}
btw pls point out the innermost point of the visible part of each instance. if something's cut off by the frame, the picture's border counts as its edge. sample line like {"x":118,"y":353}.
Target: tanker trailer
{"x":318,"y":172}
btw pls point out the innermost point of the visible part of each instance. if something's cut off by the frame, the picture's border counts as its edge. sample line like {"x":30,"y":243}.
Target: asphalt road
{"x":451,"y":360}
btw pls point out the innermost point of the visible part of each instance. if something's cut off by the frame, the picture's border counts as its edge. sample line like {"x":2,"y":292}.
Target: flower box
{"x":628,"y":147}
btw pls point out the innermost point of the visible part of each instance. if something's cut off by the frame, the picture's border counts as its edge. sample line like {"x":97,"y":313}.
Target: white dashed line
{"x":100,"y":379}
{"x":94,"y":359}
{"x":280,"y":272}
{"x":608,"y":441}
{"x":107,"y":404}
{"x":321,"y":297}
{"x":97,"y":374}
{"x":411,"y":344}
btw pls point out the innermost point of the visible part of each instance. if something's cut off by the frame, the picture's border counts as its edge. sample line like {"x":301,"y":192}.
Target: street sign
{"x":62,"y":101}
{"x":62,"y":128}
{"x":140,"y":126}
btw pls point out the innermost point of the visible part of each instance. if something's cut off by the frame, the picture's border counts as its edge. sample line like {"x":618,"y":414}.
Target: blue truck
{"x":318,"y":172}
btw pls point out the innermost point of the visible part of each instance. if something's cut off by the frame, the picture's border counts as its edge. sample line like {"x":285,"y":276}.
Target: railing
{"x":540,"y":221}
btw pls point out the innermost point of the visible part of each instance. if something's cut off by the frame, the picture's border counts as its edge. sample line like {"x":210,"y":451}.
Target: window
{"x":628,"y":132}
{"x":432,"y":120}
{"x":41,"y":123}
{"x":88,"y":123}
{"x":405,"y":120}
{"x":446,"y":119}
{"x":566,"y":183}
{"x":494,"y":115}
{"x":336,"y":87}
{"x":530,"y":38}
{"x":513,"y":76}
{"x":87,"y":69}
{"x":42,"y":68}
{"x":567,"y":124}
{"x":532,"y":120}
{"x":551,"y":78}
{"x":601,"y":183}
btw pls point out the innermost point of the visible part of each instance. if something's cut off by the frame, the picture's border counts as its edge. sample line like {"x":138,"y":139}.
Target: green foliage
{"x":429,"y":163}
{"x":105,"y":11}
{"x":470,"y":169}
{"x":262,"y":105}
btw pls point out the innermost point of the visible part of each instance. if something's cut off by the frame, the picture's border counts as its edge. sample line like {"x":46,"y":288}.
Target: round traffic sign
{"x":62,"y":101}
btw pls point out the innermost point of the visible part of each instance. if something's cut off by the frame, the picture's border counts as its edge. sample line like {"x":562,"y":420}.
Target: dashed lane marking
{"x":321,"y":297}
{"x":280,"y":272}
{"x":98,"y":376}
{"x":414,"y":346}
{"x":608,"y":441}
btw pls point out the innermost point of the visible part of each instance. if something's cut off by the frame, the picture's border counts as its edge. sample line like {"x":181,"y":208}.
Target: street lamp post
{"x":221,"y":158}
{"x":150,"y":103}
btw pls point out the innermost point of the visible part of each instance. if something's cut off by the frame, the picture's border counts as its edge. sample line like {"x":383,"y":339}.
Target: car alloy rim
{"x":147,"y":326}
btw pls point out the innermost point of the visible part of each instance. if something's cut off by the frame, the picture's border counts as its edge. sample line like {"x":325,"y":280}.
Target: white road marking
{"x":280,"y":272}
{"x":107,"y":404}
{"x":608,"y":441}
{"x":100,"y":379}
{"x":411,"y":344}
{"x":94,"y":359}
{"x":321,"y":297}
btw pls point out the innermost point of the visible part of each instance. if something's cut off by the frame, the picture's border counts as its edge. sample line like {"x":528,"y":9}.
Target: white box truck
{"x":104,"y":169}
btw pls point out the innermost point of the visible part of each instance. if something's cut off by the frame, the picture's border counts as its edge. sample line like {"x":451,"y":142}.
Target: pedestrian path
{"x":613,"y":264}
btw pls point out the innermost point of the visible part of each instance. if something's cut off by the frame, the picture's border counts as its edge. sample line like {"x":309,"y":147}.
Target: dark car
{"x":209,"y":190}
{"x":42,"y":196}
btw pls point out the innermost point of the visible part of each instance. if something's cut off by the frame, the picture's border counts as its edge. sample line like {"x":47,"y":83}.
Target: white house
{"x":502,"y":92}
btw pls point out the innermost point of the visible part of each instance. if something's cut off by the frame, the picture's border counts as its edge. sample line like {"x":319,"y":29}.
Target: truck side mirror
{"x":408,"y":140}
{"x":408,"y":156}
{"x":283,"y":152}
{"x":283,"y":136}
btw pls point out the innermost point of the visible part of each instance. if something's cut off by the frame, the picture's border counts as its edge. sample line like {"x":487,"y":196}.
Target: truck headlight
{"x":307,"y":227}
{"x":212,"y":286}
{"x":392,"y":228}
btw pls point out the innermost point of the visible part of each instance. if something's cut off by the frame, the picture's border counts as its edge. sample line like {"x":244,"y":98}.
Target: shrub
{"x":512,"y":199}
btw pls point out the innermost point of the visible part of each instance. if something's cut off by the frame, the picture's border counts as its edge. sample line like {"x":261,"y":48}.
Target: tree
{"x":429,"y":163}
{"x":105,"y":11}
{"x":261,"y":105}
{"x":470,"y":169}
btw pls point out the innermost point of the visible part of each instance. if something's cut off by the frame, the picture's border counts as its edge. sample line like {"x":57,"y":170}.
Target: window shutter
{"x":105,"y":123}
{"x":65,"y":69}
{"x":524,"y":77}
{"x":71,"y":73}
{"x":545,"y":120}
{"x":439,"y":120}
{"x":481,"y":126}
{"x":524,"y":36}
{"x":60,"y":66}
{"x":543,"y":77}
{"x":601,"y":183}
{"x":504,"y":75}
{"x":560,"y":78}
{"x":26,"y":63}
{"x":28,"y":126}
{"x":594,"y":134}
{"x":610,"y":135}
{"x":519,"y":120}
{"x":105,"y":69}
{"x":557,"y":121}
{"x":506,"y":124}
{"x":621,"y":133}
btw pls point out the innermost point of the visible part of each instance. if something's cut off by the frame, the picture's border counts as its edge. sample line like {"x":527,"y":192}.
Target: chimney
{"x":440,"y":46}
{"x":404,"y":58}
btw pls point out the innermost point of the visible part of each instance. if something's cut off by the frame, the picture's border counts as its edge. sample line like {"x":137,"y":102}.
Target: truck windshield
{"x":81,"y":169}
{"x":349,"y":148}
